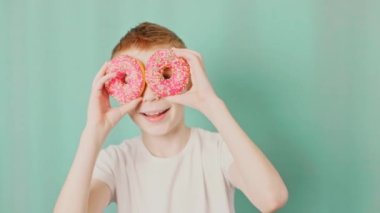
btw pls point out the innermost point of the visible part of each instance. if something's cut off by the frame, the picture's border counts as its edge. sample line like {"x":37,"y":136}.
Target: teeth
{"x":154,"y":113}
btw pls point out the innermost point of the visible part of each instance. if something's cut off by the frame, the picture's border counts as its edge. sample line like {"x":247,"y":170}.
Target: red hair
{"x":147,"y":35}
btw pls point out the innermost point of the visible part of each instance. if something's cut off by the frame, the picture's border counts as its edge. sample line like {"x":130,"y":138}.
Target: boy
{"x":169,"y":167}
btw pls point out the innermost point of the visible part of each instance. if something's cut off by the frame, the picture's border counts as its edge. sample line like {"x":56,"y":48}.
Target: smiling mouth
{"x":155,"y":114}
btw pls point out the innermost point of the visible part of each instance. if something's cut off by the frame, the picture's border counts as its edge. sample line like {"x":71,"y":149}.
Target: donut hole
{"x":125,"y":78}
{"x":167,"y":73}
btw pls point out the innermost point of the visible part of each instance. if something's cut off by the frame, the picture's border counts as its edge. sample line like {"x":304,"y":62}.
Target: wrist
{"x":95,"y":132}
{"x":97,"y":126}
{"x":211,"y":106}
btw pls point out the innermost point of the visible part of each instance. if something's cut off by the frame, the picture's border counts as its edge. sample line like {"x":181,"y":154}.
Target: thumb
{"x":126,"y":108}
{"x":178,"y":99}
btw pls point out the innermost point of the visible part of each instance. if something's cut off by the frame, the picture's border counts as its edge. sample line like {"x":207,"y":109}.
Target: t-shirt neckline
{"x":171,"y":158}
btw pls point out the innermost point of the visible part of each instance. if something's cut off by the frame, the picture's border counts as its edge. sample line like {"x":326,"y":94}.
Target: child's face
{"x":144,"y":116}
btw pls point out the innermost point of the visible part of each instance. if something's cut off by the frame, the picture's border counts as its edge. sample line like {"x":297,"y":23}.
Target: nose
{"x":149,"y":95}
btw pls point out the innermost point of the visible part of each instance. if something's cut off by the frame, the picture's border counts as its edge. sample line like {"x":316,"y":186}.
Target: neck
{"x":169,"y":144}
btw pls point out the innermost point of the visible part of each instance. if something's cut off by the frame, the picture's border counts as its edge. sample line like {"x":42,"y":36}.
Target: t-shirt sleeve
{"x":104,"y":169}
{"x":225,"y":158}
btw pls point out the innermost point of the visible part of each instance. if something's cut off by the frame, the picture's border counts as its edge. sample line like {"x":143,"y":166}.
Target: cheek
{"x":177,"y":112}
{"x":135,"y":117}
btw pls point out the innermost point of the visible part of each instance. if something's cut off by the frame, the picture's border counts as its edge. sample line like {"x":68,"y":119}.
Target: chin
{"x":156,"y":131}
{"x":161,"y":124}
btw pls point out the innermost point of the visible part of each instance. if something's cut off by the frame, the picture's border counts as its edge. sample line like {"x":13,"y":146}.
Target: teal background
{"x":301,"y":77}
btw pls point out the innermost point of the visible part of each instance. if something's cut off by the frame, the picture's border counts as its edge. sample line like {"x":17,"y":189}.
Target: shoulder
{"x":208,"y":135}
{"x":209,"y":140}
{"x":212,"y":141}
{"x":120,"y":151}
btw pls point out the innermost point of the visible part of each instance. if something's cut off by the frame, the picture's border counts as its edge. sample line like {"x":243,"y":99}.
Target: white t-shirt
{"x":195,"y":180}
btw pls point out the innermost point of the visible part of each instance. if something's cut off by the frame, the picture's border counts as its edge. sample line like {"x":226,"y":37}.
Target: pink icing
{"x":128,"y":84}
{"x":180,"y":73}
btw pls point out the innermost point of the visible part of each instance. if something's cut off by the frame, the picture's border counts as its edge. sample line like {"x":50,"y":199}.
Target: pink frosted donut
{"x":167,"y":74}
{"x":129,"y":82}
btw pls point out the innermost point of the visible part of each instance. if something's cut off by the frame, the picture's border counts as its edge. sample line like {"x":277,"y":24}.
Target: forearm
{"x":256,"y":171}
{"x":75,"y":192}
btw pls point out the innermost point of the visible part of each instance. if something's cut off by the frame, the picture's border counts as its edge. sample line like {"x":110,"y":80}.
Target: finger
{"x":187,"y":54}
{"x":103,"y":80}
{"x":193,"y":58}
{"x":194,"y":62}
{"x":128,"y":107}
{"x":178,"y":99}
{"x":102,"y":71}
{"x":184,"y":54}
{"x":195,"y":53}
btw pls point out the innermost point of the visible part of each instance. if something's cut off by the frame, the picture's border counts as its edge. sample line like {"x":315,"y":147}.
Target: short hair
{"x":147,"y":35}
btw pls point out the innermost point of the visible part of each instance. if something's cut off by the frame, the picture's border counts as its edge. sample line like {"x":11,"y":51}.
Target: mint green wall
{"x":301,"y":77}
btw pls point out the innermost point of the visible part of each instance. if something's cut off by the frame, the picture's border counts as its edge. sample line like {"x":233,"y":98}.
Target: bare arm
{"x":100,"y":196}
{"x":251,"y":171}
{"x":75,"y":192}
{"x":79,"y":193}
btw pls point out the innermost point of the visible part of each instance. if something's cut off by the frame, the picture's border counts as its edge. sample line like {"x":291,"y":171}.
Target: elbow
{"x":276,"y":205}
{"x":276,"y":201}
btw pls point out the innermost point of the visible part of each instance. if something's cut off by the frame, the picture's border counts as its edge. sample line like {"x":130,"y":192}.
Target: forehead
{"x":140,"y":54}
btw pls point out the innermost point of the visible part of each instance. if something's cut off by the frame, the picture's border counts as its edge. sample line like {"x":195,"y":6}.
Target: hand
{"x":201,"y":91}
{"x":100,"y":114}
